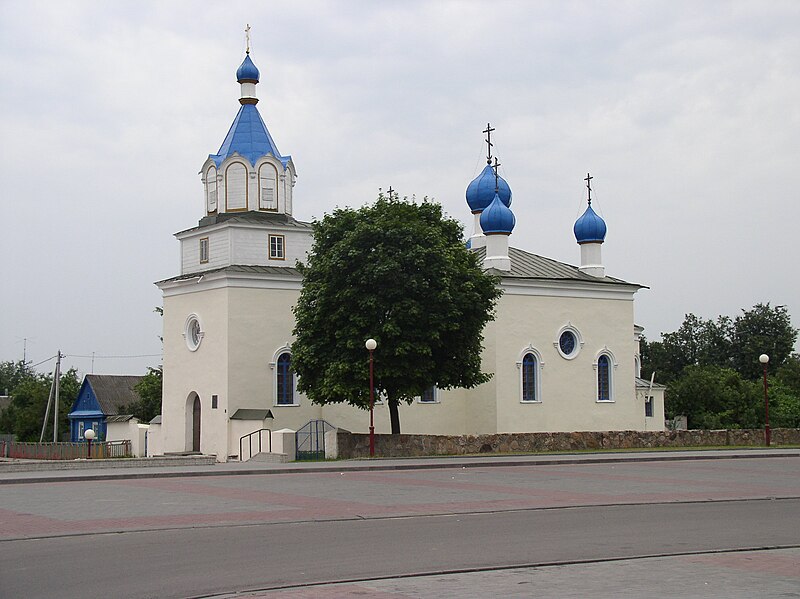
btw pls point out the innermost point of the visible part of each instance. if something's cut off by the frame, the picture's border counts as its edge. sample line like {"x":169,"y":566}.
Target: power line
{"x":115,"y":357}
{"x":42,"y":362}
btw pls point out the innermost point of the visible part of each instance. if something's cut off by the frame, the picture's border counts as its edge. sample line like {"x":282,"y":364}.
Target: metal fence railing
{"x":249,"y":437}
{"x":65,"y":451}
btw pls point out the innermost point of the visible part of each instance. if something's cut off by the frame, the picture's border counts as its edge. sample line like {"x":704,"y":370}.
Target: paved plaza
{"x":340,"y":491}
{"x":740,"y":575}
{"x":466,"y":505}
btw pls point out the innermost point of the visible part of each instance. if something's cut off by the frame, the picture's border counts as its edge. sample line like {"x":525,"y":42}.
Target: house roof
{"x":525,"y":265}
{"x":120,"y":418}
{"x":113,"y":390}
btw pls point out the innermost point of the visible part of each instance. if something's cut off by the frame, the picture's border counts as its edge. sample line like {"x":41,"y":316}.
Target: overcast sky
{"x":686,"y":114}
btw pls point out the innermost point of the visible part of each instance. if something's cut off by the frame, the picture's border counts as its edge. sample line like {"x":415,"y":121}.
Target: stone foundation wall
{"x":356,"y":445}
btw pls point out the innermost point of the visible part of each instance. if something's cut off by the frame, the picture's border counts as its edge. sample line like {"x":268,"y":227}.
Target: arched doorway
{"x":192,"y":423}
{"x":196,"y":424}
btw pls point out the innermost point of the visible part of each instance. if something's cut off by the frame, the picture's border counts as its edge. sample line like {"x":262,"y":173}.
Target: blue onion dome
{"x":247,"y":72}
{"x":497,"y":218}
{"x":590,"y":227}
{"x":481,"y":191}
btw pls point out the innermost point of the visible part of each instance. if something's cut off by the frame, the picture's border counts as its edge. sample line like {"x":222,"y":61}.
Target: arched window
{"x":211,"y":189}
{"x":529,"y":378}
{"x":267,"y":187}
{"x":530,"y":375}
{"x":603,"y":378}
{"x":235,"y":187}
{"x":285,"y":380}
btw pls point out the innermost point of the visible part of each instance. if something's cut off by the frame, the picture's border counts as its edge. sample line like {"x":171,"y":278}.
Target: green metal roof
{"x":237,"y":268}
{"x":249,"y":414}
{"x":525,"y":265}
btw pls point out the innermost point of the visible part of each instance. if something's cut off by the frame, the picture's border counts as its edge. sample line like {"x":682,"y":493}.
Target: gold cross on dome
{"x":247,"y":37}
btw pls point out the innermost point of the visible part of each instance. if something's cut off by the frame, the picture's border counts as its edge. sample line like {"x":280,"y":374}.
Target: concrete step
{"x":271,"y":458}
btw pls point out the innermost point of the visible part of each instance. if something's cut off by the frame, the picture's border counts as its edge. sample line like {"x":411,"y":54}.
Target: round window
{"x":193,"y":333}
{"x":567,"y":342}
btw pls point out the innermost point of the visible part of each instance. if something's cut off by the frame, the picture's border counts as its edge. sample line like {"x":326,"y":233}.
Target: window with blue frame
{"x":285,"y":380}
{"x":529,"y":367}
{"x":603,"y":378}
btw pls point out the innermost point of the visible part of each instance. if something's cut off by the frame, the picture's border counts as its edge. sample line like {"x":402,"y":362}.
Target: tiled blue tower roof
{"x":249,"y":137}
{"x":481,"y":191}
{"x":497,"y":218}
{"x":590,"y":227}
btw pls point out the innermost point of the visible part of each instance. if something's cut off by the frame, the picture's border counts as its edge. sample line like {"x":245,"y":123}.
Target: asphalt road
{"x":205,"y":561}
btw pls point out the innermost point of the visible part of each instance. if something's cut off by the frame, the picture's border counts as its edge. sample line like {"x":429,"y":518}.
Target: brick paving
{"x":773,"y":574}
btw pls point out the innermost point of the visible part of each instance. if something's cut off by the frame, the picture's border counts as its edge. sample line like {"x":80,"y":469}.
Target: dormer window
{"x":276,"y":247}
{"x":203,"y":250}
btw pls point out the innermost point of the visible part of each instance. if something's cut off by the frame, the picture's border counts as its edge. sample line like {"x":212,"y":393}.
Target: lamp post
{"x":371,"y":344}
{"x":764,"y":359}
{"x":89,"y":435}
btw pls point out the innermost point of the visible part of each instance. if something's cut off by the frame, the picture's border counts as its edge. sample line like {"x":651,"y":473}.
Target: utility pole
{"x":49,"y":401}
{"x":54,"y":389}
{"x":57,"y":383}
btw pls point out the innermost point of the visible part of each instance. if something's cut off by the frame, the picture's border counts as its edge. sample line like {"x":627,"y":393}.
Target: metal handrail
{"x":249,"y":437}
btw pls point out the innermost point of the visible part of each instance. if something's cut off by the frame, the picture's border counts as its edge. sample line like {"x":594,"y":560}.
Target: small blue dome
{"x":497,"y":218}
{"x":247,"y":72}
{"x":481,"y":191}
{"x":590,"y":227}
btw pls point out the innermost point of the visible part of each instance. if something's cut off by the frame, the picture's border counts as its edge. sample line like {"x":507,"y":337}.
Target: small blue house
{"x":101,"y":396}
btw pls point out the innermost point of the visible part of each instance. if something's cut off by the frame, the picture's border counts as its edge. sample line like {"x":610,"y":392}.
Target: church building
{"x":563,"y":349}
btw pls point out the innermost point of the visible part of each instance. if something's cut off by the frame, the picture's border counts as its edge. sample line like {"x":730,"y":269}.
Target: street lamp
{"x":371,"y":344}
{"x":764,"y":359}
{"x":89,"y":435}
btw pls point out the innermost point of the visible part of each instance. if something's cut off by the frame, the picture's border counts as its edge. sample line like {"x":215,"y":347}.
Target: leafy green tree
{"x":698,"y":342}
{"x":25,"y":414}
{"x":713,"y":397}
{"x":149,"y":391}
{"x":762,"y":330}
{"x":12,"y":374}
{"x":789,"y":374}
{"x":398,"y":272}
{"x":784,"y":404}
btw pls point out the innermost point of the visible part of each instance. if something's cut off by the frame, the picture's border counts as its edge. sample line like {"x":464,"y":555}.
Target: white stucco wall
{"x":155,"y":442}
{"x":204,"y":372}
{"x":132,"y":431}
{"x":248,"y":322}
{"x":568,"y":386}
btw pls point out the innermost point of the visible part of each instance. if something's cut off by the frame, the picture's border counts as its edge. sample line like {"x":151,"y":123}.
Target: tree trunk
{"x":394,"y":415}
